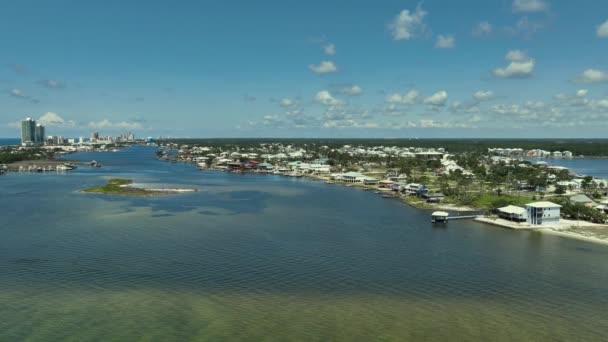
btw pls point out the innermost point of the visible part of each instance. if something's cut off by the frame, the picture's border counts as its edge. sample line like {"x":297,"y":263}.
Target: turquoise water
{"x":6,"y":142}
{"x":596,"y":167}
{"x":261,"y":257}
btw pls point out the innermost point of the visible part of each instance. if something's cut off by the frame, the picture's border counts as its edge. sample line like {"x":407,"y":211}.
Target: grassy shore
{"x":118,"y":186}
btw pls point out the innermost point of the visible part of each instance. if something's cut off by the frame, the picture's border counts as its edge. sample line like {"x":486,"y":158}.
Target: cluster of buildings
{"x":123,"y":137}
{"x":34,"y":134}
{"x":534,"y":153}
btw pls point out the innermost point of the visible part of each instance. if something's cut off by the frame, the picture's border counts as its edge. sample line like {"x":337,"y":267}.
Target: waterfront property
{"x":513,"y":213}
{"x":543,"y":213}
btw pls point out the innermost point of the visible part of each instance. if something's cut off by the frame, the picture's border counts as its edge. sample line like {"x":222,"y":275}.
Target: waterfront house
{"x":235,"y":166}
{"x":370,"y":181}
{"x":265,"y":167}
{"x":433,"y":197}
{"x":414,"y":189}
{"x":543,"y":213}
{"x":386,"y":183}
{"x":513,"y":213}
{"x":320,"y":168}
{"x":352,"y":177}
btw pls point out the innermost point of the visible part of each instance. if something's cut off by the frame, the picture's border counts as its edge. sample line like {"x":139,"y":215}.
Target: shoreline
{"x":486,"y":220}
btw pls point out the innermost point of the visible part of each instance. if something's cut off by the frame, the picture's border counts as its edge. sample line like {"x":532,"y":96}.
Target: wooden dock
{"x":461,"y":217}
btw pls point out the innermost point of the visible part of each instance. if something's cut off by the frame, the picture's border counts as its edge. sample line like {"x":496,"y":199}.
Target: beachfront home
{"x":265,"y":167}
{"x":433,"y":197}
{"x":370,"y":181}
{"x":543,"y":213}
{"x":320,"y":168}
{"x":513,"y":213}
{"x":351,"y":177}
{"x":414,"y":189}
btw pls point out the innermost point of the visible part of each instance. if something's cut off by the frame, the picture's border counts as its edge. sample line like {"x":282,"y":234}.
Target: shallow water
{"x":262,"y":257}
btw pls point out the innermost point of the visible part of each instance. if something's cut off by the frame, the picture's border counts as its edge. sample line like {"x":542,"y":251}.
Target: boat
{"x":439,"y":217}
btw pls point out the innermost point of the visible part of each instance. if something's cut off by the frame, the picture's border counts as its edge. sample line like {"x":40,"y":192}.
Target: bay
{"x":263,"y":257}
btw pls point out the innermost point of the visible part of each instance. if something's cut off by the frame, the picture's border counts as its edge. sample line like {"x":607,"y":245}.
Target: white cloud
{"x":329,"y":49}
{"x":52,"y":84}
{"x":582,"y":92}
{"x":408,"y":24}
{"x":324,"y":97}
{"x":593,"y":76}
{"x":603,"y":104}
{"x":484,"y":28}
{"x":602,"y":30}
{"x":107,"y":124}
{"x":520,"y":65}
{"x":484,"y":95}
{"x":51,"y":119}
{"x":530,"y":5}
{"x":445,"y":42}
{"x":17,"y":93}
{"x":287,"y":102}
{"x":352,"y":91}
{"x":437,"y":99}
{"x":324,"y":67}
{"x":408,"y":98}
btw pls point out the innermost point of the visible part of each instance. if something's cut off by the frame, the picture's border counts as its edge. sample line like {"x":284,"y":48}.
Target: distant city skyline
{"x":504,"y":68}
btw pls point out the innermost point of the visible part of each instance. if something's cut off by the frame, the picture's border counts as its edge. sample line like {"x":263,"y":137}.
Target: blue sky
{"x":358,"y":68}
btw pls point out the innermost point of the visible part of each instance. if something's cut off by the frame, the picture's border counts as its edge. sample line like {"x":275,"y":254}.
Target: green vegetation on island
{"x":118,"y":186}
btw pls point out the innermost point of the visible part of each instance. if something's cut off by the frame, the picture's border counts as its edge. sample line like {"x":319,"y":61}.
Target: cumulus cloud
{"x":17,"y":93}
{"x":408,"y":25}
{"x":51,"y":119}
{"x":445,"y":42}
{"x":324,"y":67}
{"x":484,"y":28}
{"x":602,"y":30}
{"x":593,"y":76}
{"x":107,"y":124}
{"x":437,"y":99}
{"x":520,"y":65}
{"x":52,"y":84}
{"x":483,"y":95}
{"x":324,"y":97}
{"x":582,"y":92}
{"x":287,"y":102}
{"x":530,"y":6}
{"x":408,"y":98}
{"x":352,"y":91}
{"x":329,"y":49}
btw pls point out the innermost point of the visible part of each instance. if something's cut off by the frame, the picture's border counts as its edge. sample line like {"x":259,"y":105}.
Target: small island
{"x":118,"y":186}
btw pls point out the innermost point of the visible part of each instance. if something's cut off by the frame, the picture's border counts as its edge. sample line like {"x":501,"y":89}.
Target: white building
{"x":513,"y":213}
{"x":543,"y":213}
